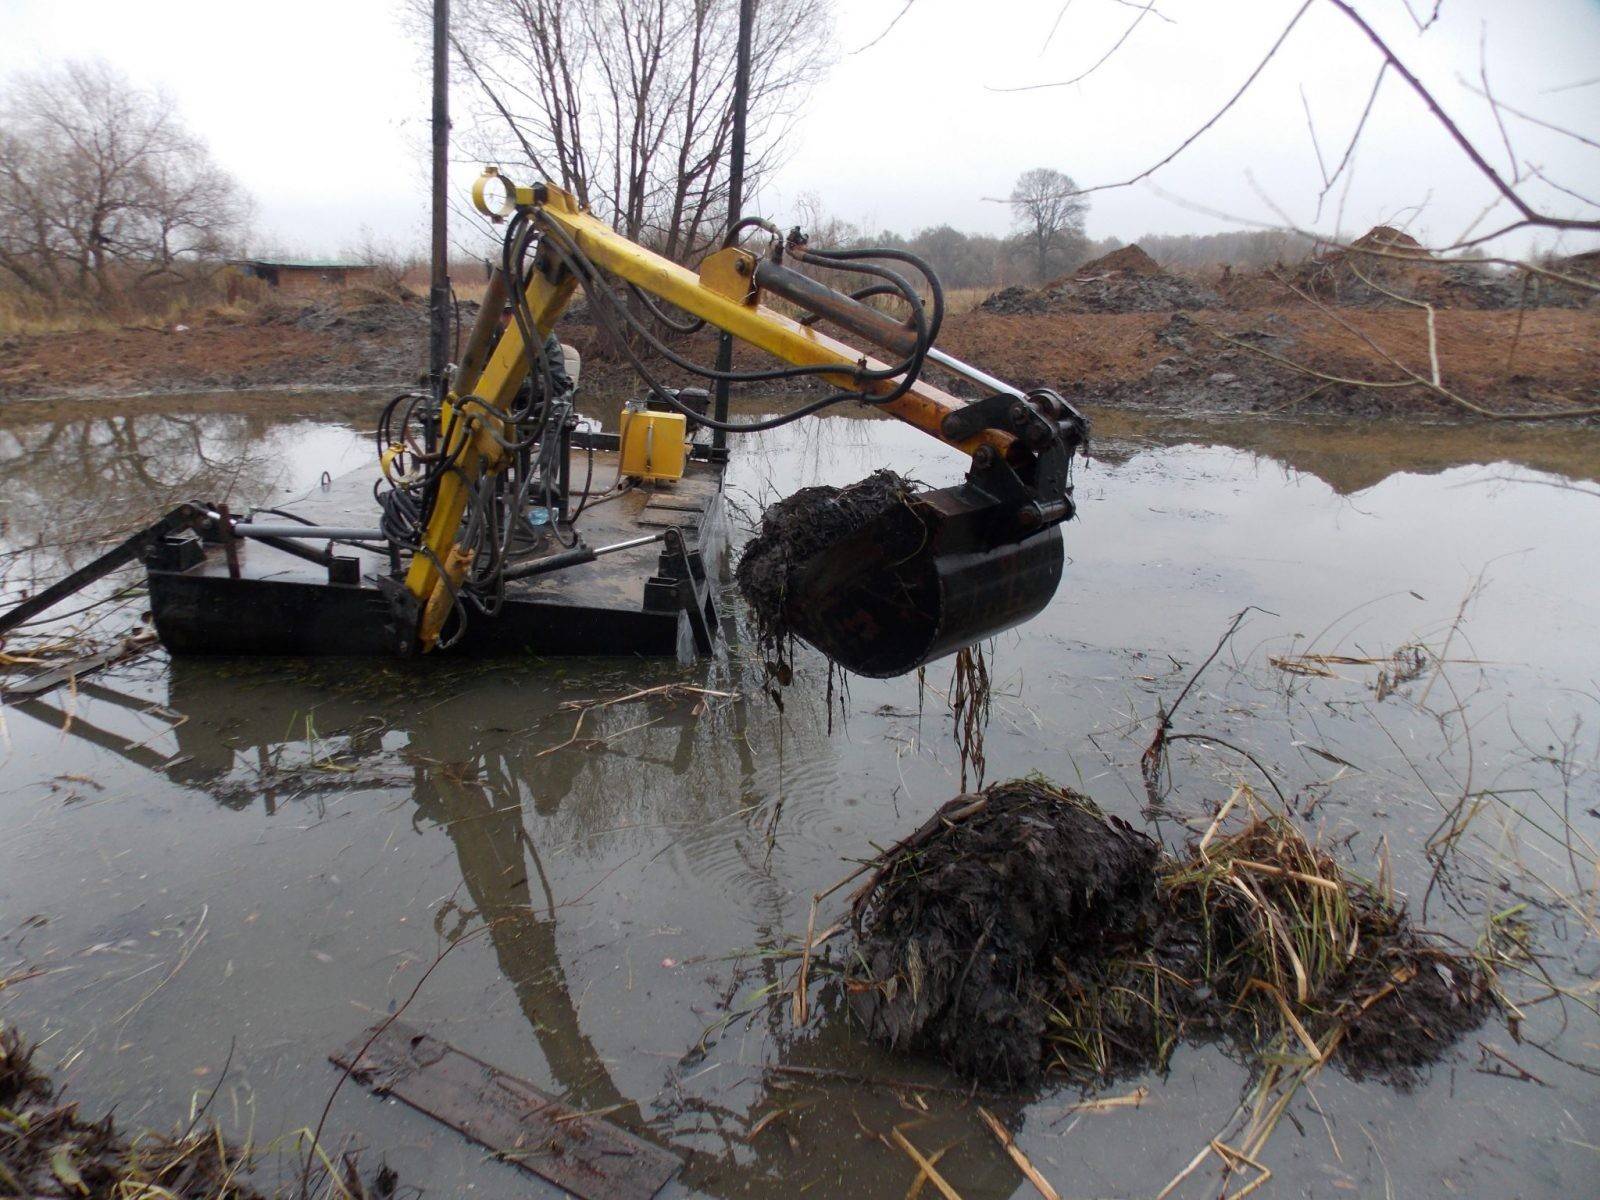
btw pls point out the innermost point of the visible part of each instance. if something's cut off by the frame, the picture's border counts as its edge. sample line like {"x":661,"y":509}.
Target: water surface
{"x":257,"y":859}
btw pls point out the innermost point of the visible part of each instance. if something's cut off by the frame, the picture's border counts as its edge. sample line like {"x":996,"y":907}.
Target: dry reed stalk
{"x":1024,"y":1164}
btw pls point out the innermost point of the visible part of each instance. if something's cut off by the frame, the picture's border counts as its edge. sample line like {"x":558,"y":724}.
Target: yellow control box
{"x":654,"y":444}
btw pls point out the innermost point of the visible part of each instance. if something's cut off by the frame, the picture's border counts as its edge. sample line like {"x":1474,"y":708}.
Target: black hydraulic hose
{"x":837,"y":259}
{"x":731,"y":238}
{"x":694,"y":326}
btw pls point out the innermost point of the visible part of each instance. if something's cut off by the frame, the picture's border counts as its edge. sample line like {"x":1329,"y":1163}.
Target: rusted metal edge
{"x":585,"y":1155}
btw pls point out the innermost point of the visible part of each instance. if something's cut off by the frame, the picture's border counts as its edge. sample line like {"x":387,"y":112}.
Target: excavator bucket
{"x":920,"y":581}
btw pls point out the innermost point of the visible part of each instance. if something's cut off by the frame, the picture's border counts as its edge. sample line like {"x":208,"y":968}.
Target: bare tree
{"x":628,"y":104}
{"x":1049,"y":212}
{"x":96,"y":175}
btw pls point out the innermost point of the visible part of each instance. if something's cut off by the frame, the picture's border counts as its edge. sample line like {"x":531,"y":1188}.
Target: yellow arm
{"x":722,"y":292}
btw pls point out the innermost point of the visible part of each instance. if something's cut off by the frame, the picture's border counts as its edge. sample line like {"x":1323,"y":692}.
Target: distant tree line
{"x":1048,"y":240}
{"x":1243,"y":249}
{"x":982,"y":260}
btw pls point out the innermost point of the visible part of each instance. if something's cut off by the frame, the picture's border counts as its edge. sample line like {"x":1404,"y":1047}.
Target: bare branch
{"x":887,"y":29}
{"x":1530,"y":216}
{"x":1214,"y":118}
{"x":1144,"y":11}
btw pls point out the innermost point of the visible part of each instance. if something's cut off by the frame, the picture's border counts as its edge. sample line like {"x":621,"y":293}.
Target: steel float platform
{"x":249,"y":597}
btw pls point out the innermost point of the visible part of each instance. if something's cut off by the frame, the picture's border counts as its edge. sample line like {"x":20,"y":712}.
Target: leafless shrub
{"x":104,"y":195}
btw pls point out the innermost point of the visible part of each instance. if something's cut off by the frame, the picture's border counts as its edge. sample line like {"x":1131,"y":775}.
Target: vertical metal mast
{"x":439,"y":292}
{"x":741,"y":104}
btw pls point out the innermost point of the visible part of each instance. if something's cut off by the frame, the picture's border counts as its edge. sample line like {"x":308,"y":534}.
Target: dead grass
{"x":1557,"y":351}
{"x":1281,"y":949}
{"x":47,"y":1149}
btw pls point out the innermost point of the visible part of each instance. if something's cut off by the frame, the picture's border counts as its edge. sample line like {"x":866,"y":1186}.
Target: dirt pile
{"x":1587,"y":263}
{"x":1385,"y":268}
{"x":797,"y":528}
{"x":1129,"y":260}
{"x":1125,"y":281}
{"x":1021,"y":930}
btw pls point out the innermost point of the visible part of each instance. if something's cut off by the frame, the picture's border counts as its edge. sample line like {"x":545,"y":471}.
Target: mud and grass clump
{"x":1022,"y":931}
{"x":47,"y":1149}
{"x":798,"y":528}
{"x":976,"y":922}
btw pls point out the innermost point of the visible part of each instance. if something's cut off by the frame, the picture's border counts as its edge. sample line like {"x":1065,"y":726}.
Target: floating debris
{"x":972,"y":926}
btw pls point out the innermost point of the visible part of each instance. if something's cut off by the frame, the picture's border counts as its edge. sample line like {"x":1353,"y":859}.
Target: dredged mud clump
{"x":1022,"y":931}
{"x":796,"y":529}
{"x":975,"y":922}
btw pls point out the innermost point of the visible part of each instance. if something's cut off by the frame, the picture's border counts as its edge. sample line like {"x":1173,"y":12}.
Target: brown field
{"x":1295,"y":356}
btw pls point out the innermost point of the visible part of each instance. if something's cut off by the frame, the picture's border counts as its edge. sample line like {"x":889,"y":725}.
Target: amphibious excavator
{"x":479,"y":509}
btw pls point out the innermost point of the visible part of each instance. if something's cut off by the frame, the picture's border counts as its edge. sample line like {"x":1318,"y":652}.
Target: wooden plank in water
{"x":586,"y":1156}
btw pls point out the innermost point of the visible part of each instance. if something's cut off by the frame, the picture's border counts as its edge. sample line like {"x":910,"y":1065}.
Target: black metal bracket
{"x":405,"y":614}
{"x":185,"y":516}
{"x":1050,"y":431}
{"x":681,"y":583}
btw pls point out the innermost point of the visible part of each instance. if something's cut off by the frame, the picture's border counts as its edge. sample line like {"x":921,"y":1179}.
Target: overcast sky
{"x":319,"y":108}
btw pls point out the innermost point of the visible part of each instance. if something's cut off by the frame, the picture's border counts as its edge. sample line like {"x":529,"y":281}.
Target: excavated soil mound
{"x":1131,"y":259}
{"x":796,"y":529}
{"x":1385,"y":268}
{"x":1022,"y":930}
{"x":1125,"y":281}
{"x":975,"y":921}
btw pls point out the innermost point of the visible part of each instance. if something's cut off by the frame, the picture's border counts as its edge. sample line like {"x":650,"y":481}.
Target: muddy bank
{"x":1022,"y":931}
{"x":1171,"y":348}
{"x":360,"y":338}
{"x":1295,"y":360}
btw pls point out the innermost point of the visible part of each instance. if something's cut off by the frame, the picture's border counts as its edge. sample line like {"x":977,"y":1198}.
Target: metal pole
{"x":439,"y":292}
{"x":741,"y":104}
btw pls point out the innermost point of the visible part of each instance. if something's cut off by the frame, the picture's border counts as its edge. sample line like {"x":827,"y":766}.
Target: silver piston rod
{"x":865,"y":321}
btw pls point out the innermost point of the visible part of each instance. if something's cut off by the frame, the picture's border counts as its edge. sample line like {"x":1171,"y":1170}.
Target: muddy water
{"x":252,"y":861}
